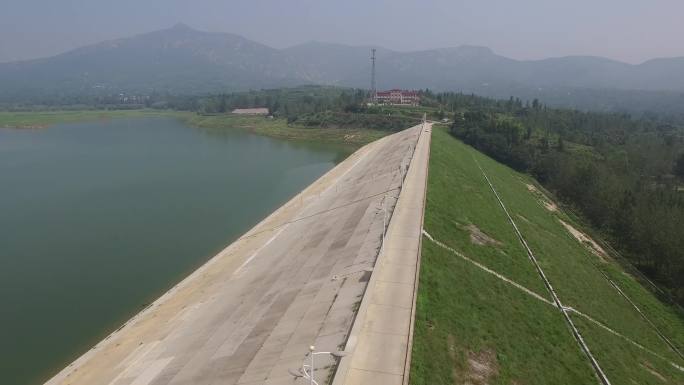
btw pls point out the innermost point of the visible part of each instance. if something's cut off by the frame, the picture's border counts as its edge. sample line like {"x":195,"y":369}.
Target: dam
{"x":334,"y":268}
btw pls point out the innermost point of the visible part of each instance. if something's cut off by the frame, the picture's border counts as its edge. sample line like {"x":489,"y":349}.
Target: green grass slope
{"x":44,"y":119}
{"x":473,"y":326}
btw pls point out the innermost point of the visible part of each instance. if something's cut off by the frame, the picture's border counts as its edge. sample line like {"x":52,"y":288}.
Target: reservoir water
{"x":98,"y":219}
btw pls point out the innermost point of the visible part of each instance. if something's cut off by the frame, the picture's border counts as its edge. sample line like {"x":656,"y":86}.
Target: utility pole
{"x":374,"y":91}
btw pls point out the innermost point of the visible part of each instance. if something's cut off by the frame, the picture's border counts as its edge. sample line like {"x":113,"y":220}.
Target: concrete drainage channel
{"x":546,"y":301}
{"x":650,"y":323}
{"x":594,"y":363}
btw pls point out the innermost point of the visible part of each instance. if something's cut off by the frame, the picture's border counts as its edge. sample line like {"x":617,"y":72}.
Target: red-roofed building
{"x":397,"y":96}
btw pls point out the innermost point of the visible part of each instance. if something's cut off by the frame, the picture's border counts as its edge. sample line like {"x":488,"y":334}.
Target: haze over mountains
{"x":183,"y":60}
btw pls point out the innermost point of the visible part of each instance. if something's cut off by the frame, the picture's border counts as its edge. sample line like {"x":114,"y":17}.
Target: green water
{"x":98,"y":219}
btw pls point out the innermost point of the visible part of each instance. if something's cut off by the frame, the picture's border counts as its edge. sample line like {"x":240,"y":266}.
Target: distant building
{"x":251,"y":111}
{"x":132,"y":99}
{"x":396,"y":96}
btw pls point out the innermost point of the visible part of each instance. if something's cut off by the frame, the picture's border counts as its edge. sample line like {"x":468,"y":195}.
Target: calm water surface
{"x":98,"y":219}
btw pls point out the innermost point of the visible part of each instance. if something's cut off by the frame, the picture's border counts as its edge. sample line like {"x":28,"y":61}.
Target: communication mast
{"x":374,"y":91}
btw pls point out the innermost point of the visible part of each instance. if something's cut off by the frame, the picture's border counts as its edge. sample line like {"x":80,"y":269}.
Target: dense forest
{"x":625,"y":176}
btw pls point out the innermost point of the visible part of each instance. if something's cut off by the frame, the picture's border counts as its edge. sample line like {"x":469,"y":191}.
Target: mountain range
{"x":183,"y":60}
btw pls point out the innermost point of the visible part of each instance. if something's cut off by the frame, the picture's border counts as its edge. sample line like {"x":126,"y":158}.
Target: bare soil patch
{"x":451,"y":342}
{"x":650,"y":369}
{"x":548,"y":203}
{"x":482,"y":368}
{"x":550,"y":206}
{"x":523,"y":218}
{"x":478,"y":237}
{"x":584,"y":239}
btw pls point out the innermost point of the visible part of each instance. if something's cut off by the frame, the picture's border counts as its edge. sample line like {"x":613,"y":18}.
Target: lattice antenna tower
{"x":374,"y":91}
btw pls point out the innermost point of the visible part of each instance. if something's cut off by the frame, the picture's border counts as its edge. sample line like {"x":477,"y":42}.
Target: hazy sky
{"x":627,"y":30}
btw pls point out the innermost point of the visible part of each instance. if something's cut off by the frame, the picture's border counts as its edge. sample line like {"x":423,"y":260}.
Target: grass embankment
{"x":276,"y":128}
{"x":44,"y":119}
{"x":473,"y":327}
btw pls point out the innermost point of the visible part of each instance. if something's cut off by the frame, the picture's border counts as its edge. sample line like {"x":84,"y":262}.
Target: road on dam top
{"x":296,"y":279}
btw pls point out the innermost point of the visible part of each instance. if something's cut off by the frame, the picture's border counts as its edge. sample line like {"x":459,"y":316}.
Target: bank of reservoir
{"x":99,"y":218}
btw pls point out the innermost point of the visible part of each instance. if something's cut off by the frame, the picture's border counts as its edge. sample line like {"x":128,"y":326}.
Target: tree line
{"x":624,"y":175}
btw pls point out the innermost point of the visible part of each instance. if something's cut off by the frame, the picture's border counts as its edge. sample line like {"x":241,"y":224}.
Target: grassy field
{"x":474,"y":327}
{"x":44,"y":119}
{"x":276,"y":128}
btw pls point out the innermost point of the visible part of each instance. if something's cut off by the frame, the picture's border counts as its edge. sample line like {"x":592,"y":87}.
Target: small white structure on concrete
{"x":251,"y":111}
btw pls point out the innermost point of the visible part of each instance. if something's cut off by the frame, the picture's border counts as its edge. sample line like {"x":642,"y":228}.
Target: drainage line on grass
{"x":655,"y":328}
{"x":546,"y":301}
{"x":594,"y":363}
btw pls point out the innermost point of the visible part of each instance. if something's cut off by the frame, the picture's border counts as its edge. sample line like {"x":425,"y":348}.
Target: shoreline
{"x":236,"y":317}
{"x":276,"y":128}
{"x":232,"y":255}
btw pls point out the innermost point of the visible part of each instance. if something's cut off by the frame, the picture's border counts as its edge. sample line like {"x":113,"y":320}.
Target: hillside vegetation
{"x":624,"y":176}
{"x":621,"y":175}
{"x":483,"y":312}
{"x":181,"y":61}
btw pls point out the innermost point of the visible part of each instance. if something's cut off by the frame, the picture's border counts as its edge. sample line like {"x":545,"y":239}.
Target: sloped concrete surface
{"x":294,"y":280}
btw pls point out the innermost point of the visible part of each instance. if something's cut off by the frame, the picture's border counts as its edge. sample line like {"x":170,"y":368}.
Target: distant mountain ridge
{"x":183,"y":60}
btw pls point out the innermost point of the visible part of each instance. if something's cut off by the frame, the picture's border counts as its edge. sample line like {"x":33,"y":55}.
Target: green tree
{"x":679,"y":166}
{"x":222,"y":106}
